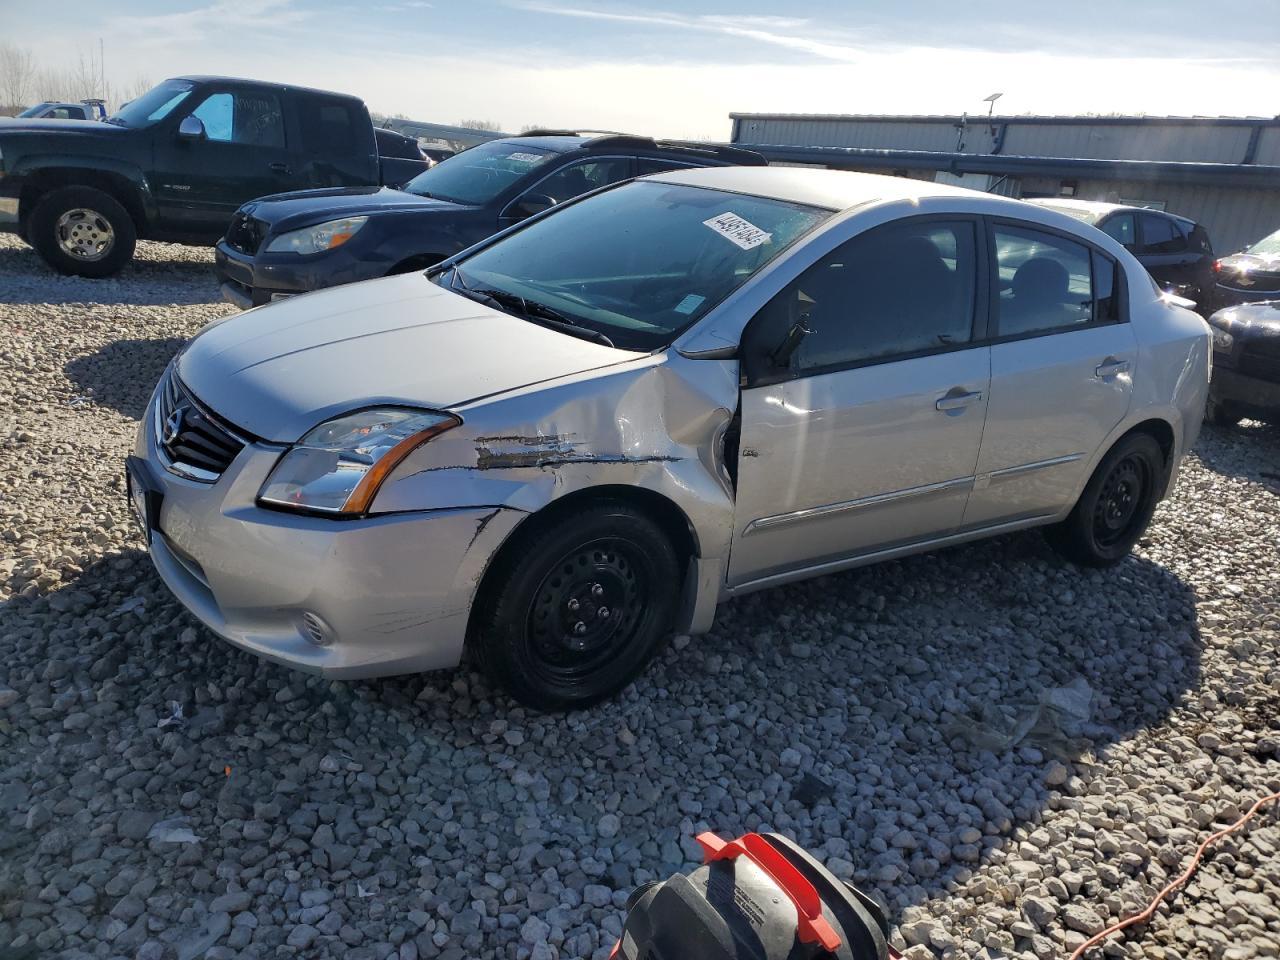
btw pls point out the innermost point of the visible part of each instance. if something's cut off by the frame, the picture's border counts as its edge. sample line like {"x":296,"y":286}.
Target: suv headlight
{"x":317,"y":239}
{"x":1223,"y":340}
{"x":338,"y":467}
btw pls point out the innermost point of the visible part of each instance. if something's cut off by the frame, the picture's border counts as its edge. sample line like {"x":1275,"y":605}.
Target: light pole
{"x":991,"y":110}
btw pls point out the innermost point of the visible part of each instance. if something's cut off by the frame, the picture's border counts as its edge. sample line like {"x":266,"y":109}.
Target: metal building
{"x":1223,"y":172}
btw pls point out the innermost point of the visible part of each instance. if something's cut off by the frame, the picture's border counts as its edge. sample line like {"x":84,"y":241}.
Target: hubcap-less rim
{"x":585,"y":611}
{"x":1118,"y":501}
{"x":84,"y":234}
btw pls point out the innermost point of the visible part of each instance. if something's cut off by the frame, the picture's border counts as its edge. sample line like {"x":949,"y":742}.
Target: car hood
{"x":280,"y":370}
{"x":1266,"y":262}
{"x":1260,"y":319}
{"x":48,"y":126}
{"x":288,"y":211}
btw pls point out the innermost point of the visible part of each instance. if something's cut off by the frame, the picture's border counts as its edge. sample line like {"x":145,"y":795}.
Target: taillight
{"x":1217,"y":266}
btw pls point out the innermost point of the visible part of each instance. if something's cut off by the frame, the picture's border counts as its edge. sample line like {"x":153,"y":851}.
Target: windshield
{"x":154,"y":105}
{"x":479,"y":174}
{"x":638,"y":263}
{"x":1268,"y":246}
{"x":32,"y":111}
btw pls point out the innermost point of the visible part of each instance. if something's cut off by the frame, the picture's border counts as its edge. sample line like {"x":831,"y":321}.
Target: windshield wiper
{"x":531,"y":310}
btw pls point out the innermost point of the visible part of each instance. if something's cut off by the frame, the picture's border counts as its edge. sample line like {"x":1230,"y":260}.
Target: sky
{"x":678,"y":69}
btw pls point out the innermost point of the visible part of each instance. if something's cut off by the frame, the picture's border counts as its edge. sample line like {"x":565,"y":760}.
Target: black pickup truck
{"x":176,"y":163}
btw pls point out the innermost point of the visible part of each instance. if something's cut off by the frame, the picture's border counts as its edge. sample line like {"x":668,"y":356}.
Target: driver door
{"x":867,"y":436}
{"x":571,"y":180}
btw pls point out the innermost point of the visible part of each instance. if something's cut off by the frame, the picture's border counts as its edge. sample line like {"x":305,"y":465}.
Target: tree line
{"x":24,"y":81}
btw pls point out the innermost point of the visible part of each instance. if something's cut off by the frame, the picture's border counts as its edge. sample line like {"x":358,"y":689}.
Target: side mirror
{"x":192,"y":128}
{"x":532,"y":203}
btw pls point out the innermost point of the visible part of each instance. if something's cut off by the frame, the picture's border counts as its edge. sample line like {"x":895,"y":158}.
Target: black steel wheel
{"x":575,"y":608}
{"x":1116,"y":505}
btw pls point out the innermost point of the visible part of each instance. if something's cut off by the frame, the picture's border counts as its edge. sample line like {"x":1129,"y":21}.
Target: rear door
{"x":243,"y":154}
{"x":1166,"y":252}
{"x":1062,"y":363}
{"x":336,"y":147}
{"x":868,"y":437}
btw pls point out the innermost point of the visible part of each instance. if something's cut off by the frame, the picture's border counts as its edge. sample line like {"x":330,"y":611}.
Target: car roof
{"x":1101,"y":208}
{"x":813,"y":186}
{"x":565,"y":141}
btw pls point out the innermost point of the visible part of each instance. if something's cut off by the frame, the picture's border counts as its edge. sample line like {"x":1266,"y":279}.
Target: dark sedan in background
{"x":1176,"y":251}
{"x":291,"y":243}
{"x":1251,"y":275}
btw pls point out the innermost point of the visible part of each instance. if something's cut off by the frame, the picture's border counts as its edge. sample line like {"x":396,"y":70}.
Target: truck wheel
{"x":577,"y":608}
{"x":82,"y":231}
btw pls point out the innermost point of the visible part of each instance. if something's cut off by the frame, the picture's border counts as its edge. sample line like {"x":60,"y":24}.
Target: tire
{"x":577,"y":607}
{"x":1116,"y":506}
{"x":1221,"y":413}
{"x":86,"y":220}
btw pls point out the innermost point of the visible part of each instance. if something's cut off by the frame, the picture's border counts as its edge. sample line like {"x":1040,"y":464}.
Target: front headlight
{"x":317,"y":239}
{"x":338,"y":467}
{"x":1223,"y":340}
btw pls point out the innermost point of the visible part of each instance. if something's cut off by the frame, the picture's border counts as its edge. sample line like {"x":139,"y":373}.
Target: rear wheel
{"x":577,"y":608}
{"x":1116,"y":506}
{"x":82,"y":231}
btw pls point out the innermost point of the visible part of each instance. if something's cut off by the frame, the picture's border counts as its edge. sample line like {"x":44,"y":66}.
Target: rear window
{"x":333,"y":127}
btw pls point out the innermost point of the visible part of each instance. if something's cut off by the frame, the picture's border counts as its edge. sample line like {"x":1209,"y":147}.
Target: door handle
{"x":280,"y":167}
{"x":957,"y":399}
{"x":1110,"y":367}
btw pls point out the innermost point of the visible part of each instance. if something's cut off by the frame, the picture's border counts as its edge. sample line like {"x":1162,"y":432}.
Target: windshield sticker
{"x":733,"y":228}
{"x":525,"y":157}
{"x":689,"y":304}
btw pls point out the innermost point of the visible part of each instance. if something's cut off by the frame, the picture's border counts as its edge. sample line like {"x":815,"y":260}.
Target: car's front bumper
{"x":1224,"y":296}
{"x":1253,"y":395}
{"x":369,"y":597}
{"x":249,"y":280}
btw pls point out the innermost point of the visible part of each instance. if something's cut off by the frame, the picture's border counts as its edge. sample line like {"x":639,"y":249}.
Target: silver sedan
{"x":583,"y":434}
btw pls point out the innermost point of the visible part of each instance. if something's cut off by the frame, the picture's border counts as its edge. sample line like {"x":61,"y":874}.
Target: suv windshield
{"x":154,"y":105}
{"x":479,"y":174}
{"x":638,"y":263}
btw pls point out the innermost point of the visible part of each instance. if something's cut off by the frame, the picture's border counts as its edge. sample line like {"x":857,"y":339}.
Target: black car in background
{"x":291,"y":243}
{"x":1246,"y":363}
{"x":1249,"y":276}
{"x":1176,"y":251}
{"x":400,"y":157}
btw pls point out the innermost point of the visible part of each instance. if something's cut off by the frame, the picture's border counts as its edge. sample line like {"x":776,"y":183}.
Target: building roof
{"x":1000,"y":118}
{"x":832,"y":189}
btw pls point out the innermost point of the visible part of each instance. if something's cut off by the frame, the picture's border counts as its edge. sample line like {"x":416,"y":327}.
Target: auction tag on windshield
{"x":742,"y":232}
{"x":689,"y":304}
{"x":525,"y":157}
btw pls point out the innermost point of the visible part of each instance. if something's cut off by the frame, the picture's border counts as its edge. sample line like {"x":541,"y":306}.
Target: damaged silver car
{"x":583,"y":434}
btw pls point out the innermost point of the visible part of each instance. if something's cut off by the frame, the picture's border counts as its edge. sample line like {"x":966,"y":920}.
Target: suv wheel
{"x":82,"y":231}
{"x":577,"y":608}
{"x":1116,"y":506}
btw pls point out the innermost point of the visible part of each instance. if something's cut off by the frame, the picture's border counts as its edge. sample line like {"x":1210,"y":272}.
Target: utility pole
{"x":102,"y":72}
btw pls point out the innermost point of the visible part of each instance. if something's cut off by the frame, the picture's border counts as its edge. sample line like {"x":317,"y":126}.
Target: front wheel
{"x":83,"y":232}
{"x":1220,"y":413}
{"x":578,"y":607}
{"x":1116,"y":506}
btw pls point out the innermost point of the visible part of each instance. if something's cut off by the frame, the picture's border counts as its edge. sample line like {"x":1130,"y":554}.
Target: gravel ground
{"x":164,"y":795}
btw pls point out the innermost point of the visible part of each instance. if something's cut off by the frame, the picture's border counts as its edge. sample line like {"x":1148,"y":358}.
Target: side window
{"x":655,"y":165}
{"x":897,"y":289}
{"x":253,"y":119}
{"x":1121,"y":228}
{"x":331,"y":127}
{"x":1045,"y":282}
{"x":1161,"y":235}
{"x":578,"y":178}
{"x":64,"y":113}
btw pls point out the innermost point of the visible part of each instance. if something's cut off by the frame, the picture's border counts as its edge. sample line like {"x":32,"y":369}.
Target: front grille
{"x":198,"y":445}
{"x":246,"y":233}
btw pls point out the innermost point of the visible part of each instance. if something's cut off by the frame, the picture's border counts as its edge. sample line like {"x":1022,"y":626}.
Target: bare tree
{"x":17,"y":71}
{"x":491,"y":125}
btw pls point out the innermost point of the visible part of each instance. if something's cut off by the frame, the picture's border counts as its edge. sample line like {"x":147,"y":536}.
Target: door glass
{"x":897,"y":289}
{"x":1160,"y":235}
{"x":1045,"y":282}
{"x":578,"y":178}
{"x":1121,"y":227}
{"x":252,"y":119}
